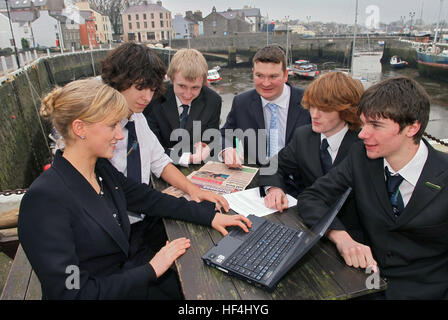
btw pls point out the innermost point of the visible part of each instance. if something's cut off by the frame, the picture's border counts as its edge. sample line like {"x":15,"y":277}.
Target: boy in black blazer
{"x":187,"y":99}
{"x":400,"y":188}
{"x":333,"y":101}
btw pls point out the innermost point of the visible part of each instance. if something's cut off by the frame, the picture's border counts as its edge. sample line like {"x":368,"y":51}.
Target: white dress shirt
{"x":282,"y":114}
{"x":152,"y":155}
{"x":185,"y":158}
{"x":410,"y":172}
{"x":334,"y":142}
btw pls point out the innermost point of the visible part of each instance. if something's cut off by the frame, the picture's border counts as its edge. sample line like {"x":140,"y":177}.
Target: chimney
{"x":198,"y":15}
{"x":159,"y":3}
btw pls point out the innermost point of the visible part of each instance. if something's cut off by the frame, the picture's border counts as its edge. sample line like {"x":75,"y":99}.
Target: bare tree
{"x":111,"y":8}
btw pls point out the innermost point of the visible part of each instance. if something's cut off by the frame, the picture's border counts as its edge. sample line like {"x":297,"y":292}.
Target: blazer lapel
{"x":257,"y":111}
{"x":293,"y":114}
{"x":170,"y":109}
{"x":314,"y":154}
{"x":376,"y":173}
{"x":197,"y":106}
{"x":88,"y":199}
{"x":349,"y":138}
{"x":426,"y":189}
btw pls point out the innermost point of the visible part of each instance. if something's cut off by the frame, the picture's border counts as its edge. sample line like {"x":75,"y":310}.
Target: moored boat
{"x":396,"y":62}
{"x":305,"y":69}
{"x":213,"y":75}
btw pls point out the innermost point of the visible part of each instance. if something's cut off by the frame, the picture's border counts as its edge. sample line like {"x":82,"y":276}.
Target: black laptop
{"x":265,"y":254}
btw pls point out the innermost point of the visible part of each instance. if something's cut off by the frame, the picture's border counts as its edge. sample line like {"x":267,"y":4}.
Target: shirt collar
{"x":179,"y":103}
{"x":412,"y":170}
{"x":281,"y":101}
{"x":335,"y":140}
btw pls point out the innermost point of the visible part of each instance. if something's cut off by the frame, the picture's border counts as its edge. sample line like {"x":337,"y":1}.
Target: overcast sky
{"x":341,"y":11}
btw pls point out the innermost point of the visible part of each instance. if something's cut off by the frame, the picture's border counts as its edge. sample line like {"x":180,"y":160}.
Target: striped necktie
{"x":392,"y":184}
{"x":273,"y":130}
{"x":183,"y":116}
{"x":325,"y":158}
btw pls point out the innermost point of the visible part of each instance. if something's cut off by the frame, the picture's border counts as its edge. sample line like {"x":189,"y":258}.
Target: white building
{"x":20,"y":31}
{"x":46,"y":30}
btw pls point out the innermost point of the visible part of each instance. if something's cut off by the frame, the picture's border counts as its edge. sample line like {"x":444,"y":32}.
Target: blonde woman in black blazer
{"x":73,"y":224}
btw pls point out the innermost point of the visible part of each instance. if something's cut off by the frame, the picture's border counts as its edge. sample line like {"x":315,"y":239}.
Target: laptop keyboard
{"x":262,"y":253}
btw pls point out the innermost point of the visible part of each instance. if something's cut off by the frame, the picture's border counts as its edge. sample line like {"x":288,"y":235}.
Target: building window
{"x":138,"y":25}
{"x":130,"y":26}
{"x":131,"y":36}
{"x":144,"y":16}
{"x":152,"y":15}
{"x":136,"y":16}
{"x":152,"y":24}
{"x":129,"y":17}
{"x":150,"y":36}
{"x":161,"y":23}
{"x":214,"y":23}
{"x":161,"y":15}
{"x":163,"y":35}
{"x":145,"y":24}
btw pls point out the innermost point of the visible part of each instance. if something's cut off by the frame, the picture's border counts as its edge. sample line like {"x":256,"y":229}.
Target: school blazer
{"x":62,"y":223}
{"x":163,"y":116}
{"x":301,"y":158}
{"x":412,"y":250}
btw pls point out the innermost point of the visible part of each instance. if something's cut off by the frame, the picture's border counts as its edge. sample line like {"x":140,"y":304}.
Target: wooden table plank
{"x":34,"y":291}
{"x":202,"y":281}
{"x":18,"y":277}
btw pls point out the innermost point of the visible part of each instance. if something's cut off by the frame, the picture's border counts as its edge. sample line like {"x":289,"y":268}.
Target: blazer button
{"x":389,"y":254}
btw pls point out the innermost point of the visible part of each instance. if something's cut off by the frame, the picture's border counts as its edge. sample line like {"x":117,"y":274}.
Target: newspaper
{"x":216,"y":177}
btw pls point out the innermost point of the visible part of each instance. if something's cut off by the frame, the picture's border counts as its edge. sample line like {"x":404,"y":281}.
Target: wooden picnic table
{"x":320,"y":274}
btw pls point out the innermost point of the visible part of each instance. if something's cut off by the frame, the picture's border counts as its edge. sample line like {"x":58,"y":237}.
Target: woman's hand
{"x":198,"y":195}
{"x":168,"y":254}
{"x":221,"y":221}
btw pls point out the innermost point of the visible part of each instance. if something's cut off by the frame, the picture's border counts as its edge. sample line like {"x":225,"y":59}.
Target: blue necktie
{"x":183,"y":116}
{"x":134,"y":170}
{"x":273,"y":130}
{"x":325,"y":158}
{"x":392,"y":185}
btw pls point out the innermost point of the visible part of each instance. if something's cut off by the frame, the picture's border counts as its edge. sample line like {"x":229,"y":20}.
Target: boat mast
{"x":437,"y":27}
{"x":354,"y":37}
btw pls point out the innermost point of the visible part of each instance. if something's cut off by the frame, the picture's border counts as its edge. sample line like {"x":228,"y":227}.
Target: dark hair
{"x":336,"y":91}
{"x":400,"y":99}
{"x":273,"y":54}
{"x":133,"y":63}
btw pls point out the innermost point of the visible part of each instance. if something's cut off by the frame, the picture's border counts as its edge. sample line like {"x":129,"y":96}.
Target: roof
{"x":229,"y":15}
{"x":26,"y":3}
{"x":251,"y":12}
{"x":145,"y":8}
{"x":22,"y":16}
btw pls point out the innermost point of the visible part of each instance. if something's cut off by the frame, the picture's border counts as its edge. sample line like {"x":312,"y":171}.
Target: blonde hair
{"x":89,"y":100}
{"x":336,"y":91}
{"x":190,"y":63}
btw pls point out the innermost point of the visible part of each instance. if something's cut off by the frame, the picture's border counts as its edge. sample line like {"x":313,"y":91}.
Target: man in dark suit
{"x":272,"y":111}
{"x":187,"y":99}
{"x":400,"y":188}
{"x":333,"y":101}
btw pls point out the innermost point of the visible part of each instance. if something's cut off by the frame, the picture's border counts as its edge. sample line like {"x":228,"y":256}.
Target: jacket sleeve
{"x":314,"y":202}
{"x":141,"y":198}
{"x":47,"y":236}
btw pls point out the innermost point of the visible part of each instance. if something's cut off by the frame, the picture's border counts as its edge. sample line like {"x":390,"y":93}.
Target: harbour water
{"x":238,"y":80}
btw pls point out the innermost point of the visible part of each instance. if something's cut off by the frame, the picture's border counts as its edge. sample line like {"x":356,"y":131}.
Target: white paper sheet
{"x":250,"y":202}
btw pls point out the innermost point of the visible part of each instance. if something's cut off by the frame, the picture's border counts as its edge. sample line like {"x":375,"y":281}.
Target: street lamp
{"x":12,"y":33}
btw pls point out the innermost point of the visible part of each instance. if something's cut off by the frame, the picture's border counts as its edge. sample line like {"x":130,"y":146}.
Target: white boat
{"x":213,"y":75}
{"x":397,"y":63}
{"x":305,"y":69}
